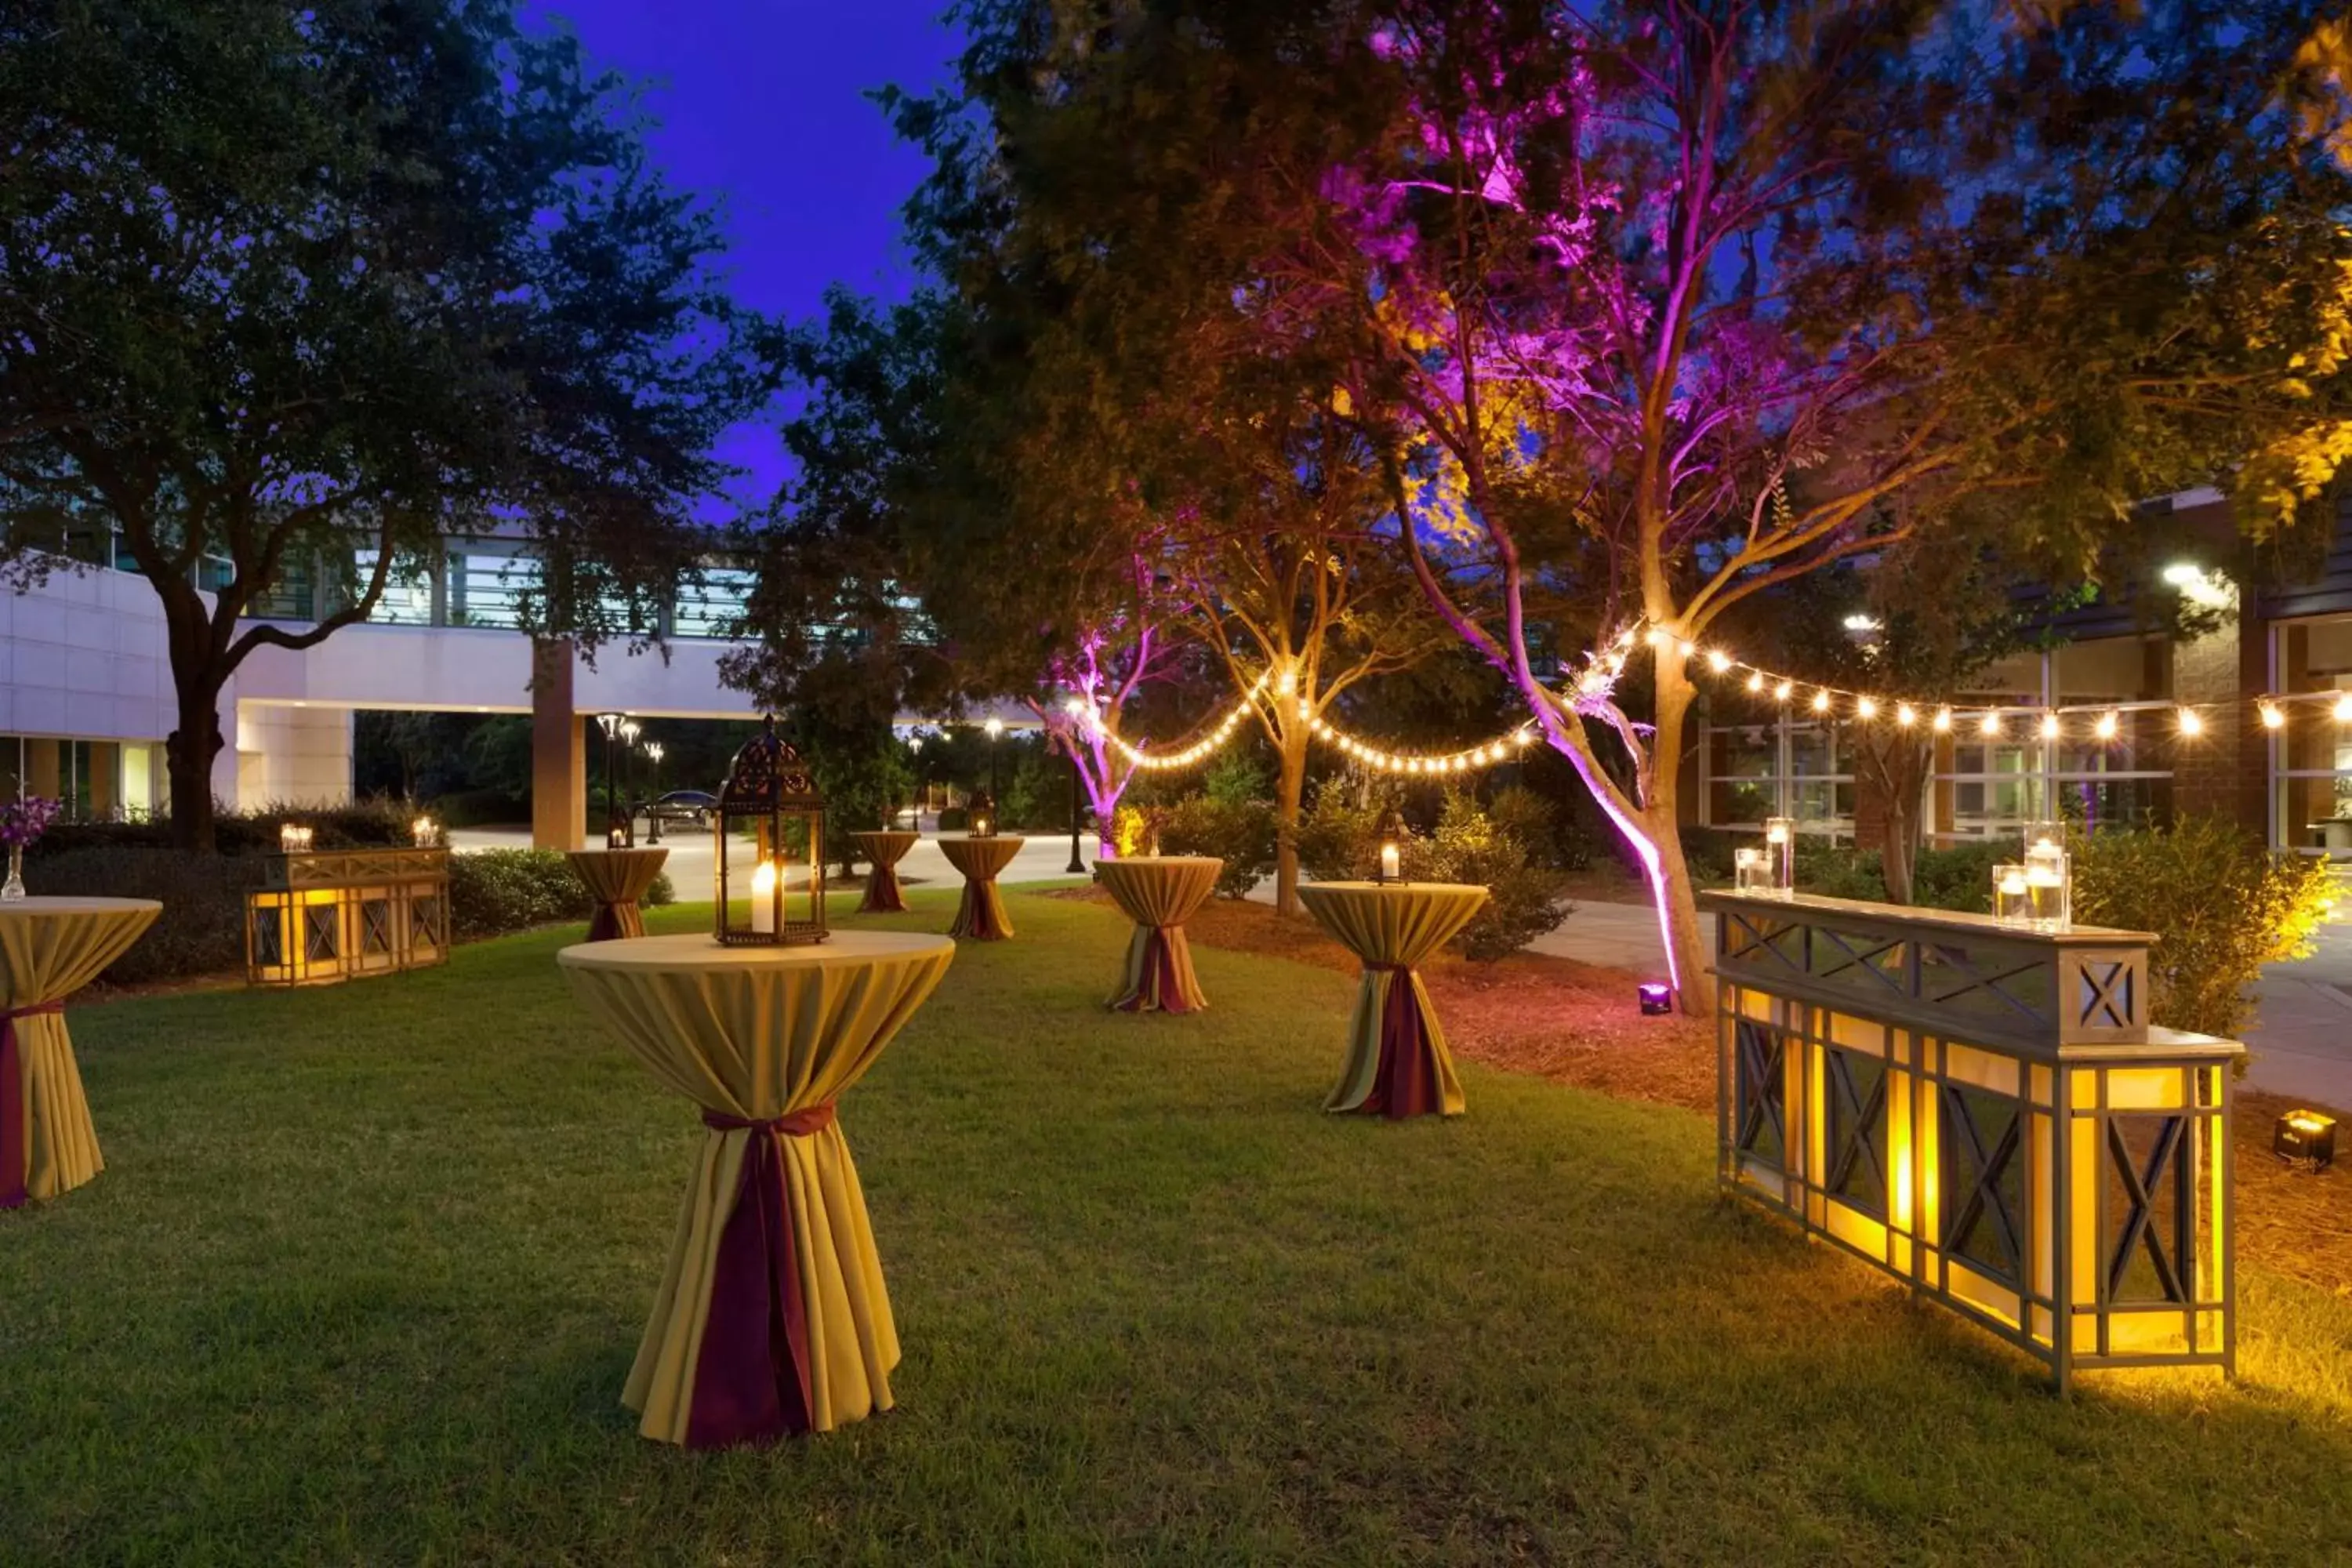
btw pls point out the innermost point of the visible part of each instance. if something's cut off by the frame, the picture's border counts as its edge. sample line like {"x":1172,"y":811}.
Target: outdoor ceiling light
{"x":2201,"y":587}
{"x":1862,"y":623}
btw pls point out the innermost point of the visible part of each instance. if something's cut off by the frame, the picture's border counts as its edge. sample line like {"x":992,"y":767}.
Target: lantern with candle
{"x":769,"y":807}
{"x":1780,"y":848}
{"x":1390,"y":865}
{"x":981,"y":813}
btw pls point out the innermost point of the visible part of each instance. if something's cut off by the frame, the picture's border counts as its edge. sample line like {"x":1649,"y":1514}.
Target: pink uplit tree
{"x":1669,"y":304}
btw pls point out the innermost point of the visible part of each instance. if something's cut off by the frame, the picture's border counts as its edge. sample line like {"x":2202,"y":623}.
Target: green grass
{"x":367,"y":1266}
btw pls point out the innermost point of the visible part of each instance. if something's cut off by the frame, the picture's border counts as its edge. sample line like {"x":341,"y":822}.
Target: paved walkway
{"x":689,"y":865}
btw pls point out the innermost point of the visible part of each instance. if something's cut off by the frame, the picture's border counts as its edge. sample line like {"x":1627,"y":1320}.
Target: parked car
{"x":694,"y":805}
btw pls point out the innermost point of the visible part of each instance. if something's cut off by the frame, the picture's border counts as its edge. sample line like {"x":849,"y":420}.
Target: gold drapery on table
{"x":1397,"y":1061}
{"x":49,"y":948}
{"x":772,"y":1315}
{"x":617,"y":879}
{"x":981,"y":916}
{"x":1158,"y":893}
{"x":883,"y":847}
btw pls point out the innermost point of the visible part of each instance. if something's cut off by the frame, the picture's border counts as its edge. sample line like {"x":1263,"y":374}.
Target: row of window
{"x":1786,"y":766}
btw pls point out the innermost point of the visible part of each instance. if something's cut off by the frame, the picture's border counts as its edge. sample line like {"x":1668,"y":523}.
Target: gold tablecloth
{"x":981,"y":916}
{"x":885,"y":848}
{"x":1158,"y":893}
{"x":1397,"y":1061}
{"x":49,"y":948}
{"x":617,"y":879}
{"x":772,"y":1315}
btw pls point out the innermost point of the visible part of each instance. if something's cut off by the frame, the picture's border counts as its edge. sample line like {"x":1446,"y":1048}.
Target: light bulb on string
{"x":1989,"y":724}
{"x":2191,"y":724}
{"x":1942,"y":723}
{"x":2107,"y":726}
{"x":1783,"y":691}
{"x":1719,"y":661}
{"x":1821,"y":701}
{"x":1905,"y":715}
{"x":2049,"y":727}
{"x":2343,"y":710}
{"x":1756,"y":680}
{"x":2273,"y":719}
{"x":1865,"y":708}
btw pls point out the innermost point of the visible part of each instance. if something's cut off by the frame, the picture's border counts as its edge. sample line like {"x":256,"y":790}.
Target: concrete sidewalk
{"x":689,"y":865}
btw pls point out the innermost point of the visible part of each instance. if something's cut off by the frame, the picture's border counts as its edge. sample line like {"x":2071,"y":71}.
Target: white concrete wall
{"x":84,"y":655}
{"x":292,"y":756}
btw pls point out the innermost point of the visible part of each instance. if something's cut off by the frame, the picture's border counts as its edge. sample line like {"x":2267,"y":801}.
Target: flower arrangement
{"x":24,"y":819}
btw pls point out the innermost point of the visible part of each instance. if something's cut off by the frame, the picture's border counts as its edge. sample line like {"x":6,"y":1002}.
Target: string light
{"x":2191,"y":724}
{"x":1865,"y":708}
{"x":2107,"y":726}
{"x":1821,"y":701}
{"x":2344,"y":709}
{"x":2050,"y":726}
{"x":1943,"y":723}
{"x":1990,"y":725}
{"x":1719,"y":661}
{"x":1784,"y":690}
{"x":2273,"y":719}
{"x":1905,"y":715}
{"x":1755,"y":680}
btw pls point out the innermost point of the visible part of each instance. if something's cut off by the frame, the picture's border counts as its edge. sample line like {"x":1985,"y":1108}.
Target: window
{"x":1784,"y":767}
{"x":710,"y":608}
{"x":408,"y":598}
{"x":2311,"y":758}
{"x":486,"y":590}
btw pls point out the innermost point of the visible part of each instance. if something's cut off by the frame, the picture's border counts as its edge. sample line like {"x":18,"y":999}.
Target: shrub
{"x":1131,"y":831}
{"x":1240,"y":832}
{"x":1531,"y":819}
{"x":1838,"y":870}
{"x":1960,"y":877}
{"x":1338,"y":839}
{"x":2223,"y":905}
{"x":373,"y":824}
{"x":498,"y":890}
{"x":1706,"y":852}
{"x":1470,"y":846}
{"x":955,"y":819}
{"x":1235,"y":779}
{"x":201,"y":928}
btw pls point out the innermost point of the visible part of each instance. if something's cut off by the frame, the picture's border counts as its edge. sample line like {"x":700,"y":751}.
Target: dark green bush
{"x":1338,"y":839}
{"x":955,"y":819}
{"x":1706,"y":852}
{"x":373,"y":824}
{"x":1241,"y":832}
{"x":201,"y":928}
{"x":2221,"y":903}
{"x":1961,"y":877}
{"x":493,"y":892}
{"x":1531,"y":819}
{"x":1837,"y":871}
{"x":1522,"y":902}
{"x":479,"y":808}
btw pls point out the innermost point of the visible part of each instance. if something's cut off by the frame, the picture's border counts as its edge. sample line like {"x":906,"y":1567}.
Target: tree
{"x":1678,"y":303}
{"x":283,"y":284}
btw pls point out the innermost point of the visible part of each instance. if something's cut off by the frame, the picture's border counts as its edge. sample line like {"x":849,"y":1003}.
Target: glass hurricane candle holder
{"x":1780,"y":850}
{"x":2049,"y":877}
{"x":2009,"y":892}
{"x":1752,"y":870}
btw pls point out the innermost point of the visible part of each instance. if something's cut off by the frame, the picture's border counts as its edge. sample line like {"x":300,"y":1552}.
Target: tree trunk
{"x":1290,"y":787}
{"x":1685,"y":936}
{"x":188,"y":753}
{"x":1903,"y":772}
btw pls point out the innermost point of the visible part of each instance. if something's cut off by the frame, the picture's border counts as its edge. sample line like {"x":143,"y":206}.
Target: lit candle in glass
{"x":1390,"y":866}
{"x":615,"y":839}
{"x":1780,"y":851}
{"x":2009,"y":891}
{"x":1753,"y":870}
{"x":2047,"y":892}
{"x":763,"y":899}
{"x":422,"y":831}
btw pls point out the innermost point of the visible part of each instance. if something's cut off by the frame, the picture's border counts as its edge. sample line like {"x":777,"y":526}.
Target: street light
{"x":652,"y":817}
{"x":630,"y":730}
{"x":915,"y":749}
{"x":995,"y":727}
{"x":616,"y":836}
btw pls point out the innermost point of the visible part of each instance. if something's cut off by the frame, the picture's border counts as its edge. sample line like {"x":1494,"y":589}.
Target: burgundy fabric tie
{"x":16,"y":1135}
{"x":752,"y":1381}
{"x":1406,"y":1082}
{"x":1159,"y":964}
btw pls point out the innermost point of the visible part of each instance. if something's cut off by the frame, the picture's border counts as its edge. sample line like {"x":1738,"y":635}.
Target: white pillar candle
{"x":1388,"y":860}
{"x":763,"y":899}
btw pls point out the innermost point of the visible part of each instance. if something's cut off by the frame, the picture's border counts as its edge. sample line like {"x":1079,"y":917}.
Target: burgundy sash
{"x":1159,"y":970}
{"x":882,"y":895}
{"x":16,"y":1135}
{"x":1405,"y":1084}
{"x":612,"y":921}
{"x":751,"y":1377}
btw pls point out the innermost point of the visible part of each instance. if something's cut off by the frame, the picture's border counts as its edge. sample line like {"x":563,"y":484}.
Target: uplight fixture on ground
{"x":2304,"y":1137}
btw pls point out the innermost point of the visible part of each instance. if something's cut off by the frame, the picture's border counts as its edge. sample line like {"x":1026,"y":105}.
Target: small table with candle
{"x":1157,"y":892}
{"x":883,"y":847}
{"x":1397,"y":1063}
{"x":771,"y":1317}
{"x":617,"y":879}
{"x":981,"y":916}
{"x":49,"y":948}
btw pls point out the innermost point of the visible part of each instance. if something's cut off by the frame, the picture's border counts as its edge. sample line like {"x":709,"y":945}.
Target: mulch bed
{"x":1577,"y":1024}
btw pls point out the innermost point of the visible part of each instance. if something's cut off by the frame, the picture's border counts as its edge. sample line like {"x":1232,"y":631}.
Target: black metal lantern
{"x":769,"y":797}
{"x":980,"y":812}
{"x":1389,"y":868}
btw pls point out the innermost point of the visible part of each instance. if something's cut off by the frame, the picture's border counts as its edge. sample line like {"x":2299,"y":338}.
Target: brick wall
{"x":2225,"y":771}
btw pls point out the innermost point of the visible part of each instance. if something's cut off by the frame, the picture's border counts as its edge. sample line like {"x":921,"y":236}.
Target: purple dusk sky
{"x":762,"y":103}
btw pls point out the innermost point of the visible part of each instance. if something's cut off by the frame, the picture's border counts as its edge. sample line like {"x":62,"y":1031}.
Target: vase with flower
{"x":22,"y":821}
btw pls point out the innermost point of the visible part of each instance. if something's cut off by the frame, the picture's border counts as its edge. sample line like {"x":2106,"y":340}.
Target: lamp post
{"x":611,"y":725}
{"x":915,"y":749}
{"x":630,"y":730}
{"x":652,"y":817}
{"x":995,"y":727}
{"x":1077,"y":865}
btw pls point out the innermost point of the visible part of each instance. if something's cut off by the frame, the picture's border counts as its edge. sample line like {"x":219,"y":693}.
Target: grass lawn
{"x":368,"y":1264}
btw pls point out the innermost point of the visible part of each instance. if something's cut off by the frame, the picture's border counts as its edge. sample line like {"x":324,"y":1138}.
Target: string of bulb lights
{"x":1602,"y":667}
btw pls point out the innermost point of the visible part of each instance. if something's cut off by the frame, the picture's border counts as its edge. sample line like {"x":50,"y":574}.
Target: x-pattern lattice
{"x":1775,"y":940}
{"x":1835,"y":955}
{"x":376,"y":926}
{"x":320,"y":922}
{"x":2107,"y":994}
{"x":1761,"y":1048}
{"x":2139,"y":1182}
{"x":1983,"y":1201}
{"x":423,"y":919}
{"x":1955,"y":964}
{"x":268,"y":943}
{"x":1853,"y":1126}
